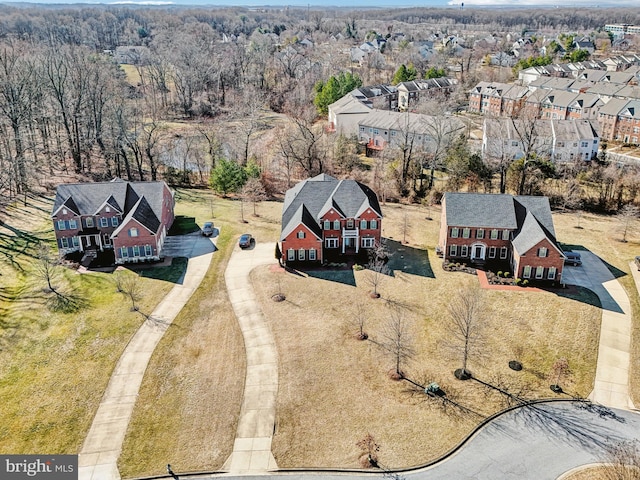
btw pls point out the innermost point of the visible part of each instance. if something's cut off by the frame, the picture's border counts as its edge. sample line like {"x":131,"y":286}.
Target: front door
{"x":478,"y":252}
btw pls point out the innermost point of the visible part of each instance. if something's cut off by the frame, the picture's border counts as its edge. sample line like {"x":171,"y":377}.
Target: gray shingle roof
{"x":319,"y":193}
{"x":87,"y":198}
{"x":529,"y":216}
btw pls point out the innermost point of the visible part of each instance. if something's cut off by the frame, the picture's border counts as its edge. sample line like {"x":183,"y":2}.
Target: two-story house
{"x":325,"y":219}
{"x":129,"y":218}
{"x":501,"y":230}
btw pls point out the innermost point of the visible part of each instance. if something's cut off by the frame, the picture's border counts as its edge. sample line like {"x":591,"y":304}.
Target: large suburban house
{"x":129,"y":218}
{"x":325,"y":219}
{"x":507,"y":231}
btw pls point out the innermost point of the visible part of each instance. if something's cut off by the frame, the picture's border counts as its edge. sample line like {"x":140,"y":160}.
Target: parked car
{"x":245,"y":240}
{"x":207,"y":229}
{"x":572,"y":258}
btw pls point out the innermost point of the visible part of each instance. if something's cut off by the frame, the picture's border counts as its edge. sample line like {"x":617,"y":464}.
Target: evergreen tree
{"x":227,"y":177}
{"x":334,"y":89}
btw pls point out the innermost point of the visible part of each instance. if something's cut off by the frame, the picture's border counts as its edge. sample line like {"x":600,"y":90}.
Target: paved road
{"x":539,"y":442}
{"x":103,"y":444}
{"x":611,"y":386}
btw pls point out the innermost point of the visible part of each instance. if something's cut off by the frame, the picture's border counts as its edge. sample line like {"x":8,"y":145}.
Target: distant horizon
{"x":468,"y":4}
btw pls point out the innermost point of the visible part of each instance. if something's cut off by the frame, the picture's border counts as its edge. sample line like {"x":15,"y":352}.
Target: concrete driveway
{"x":99,"y":454}
{"x":611,"y":387}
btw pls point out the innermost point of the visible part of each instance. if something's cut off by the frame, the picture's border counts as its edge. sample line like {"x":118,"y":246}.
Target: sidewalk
{"x":103,"y":444}
{"x":252,"y":447}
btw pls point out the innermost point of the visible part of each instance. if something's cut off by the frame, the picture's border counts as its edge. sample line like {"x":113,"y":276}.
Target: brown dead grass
{"x":335,"y":389}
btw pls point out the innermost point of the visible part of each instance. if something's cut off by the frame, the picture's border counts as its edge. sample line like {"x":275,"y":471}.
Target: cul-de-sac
{"x":320,"y":241}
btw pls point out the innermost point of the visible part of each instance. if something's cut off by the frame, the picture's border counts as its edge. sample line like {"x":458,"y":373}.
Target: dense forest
{"x":202,"y":86}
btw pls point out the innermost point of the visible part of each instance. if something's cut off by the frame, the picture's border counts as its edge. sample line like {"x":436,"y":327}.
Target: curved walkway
{"x":103,"y":444}
{"x":252,"y":447}
{"x":611,"y":386}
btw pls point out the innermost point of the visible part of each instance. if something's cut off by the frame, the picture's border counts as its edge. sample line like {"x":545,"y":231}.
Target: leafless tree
{"x":465,"y":327}
{"x":398,"y":340}
{"x":253,"y":191}
{"x":621,"y":462}
{"x":559,"y":370}
{"x":626,"y":219}
{"x":377,"y":268}
{"x":46,"y":266}
{"x":301,"y":145}
{"x":357,"y":319}
{"x":369,"y":448}
{"x":132,"y":288}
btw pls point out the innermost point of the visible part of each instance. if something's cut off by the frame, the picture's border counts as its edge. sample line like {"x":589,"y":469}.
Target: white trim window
{"x":363,"y":224}
{"x":454,"y":232}
{"x":291,"y":255}
{"x":89,"y":222}
{"x":480,"y":233}
{"x":106,"y":239}
{"x":104,"y":222}
{"x":61,"y":225}
{"x":551,"y":273}
{"x":133,"y":232}
{"x":368,"y":242}
{"x":350,"y":224}
{"x":64,"y":242}
{"x":301,"y":234}
{"x":136,"y":250}
{"x":312,"y":254}
{"x":114,"y":221}
{"x":75,"y":241}
{"x":526,"y":271}
{"x":464,"y":251}
{"x":124,"y":252}
{"x":331,"y":242}
{"x":503,"y":252}
{"x":543,"y":252}
{"x":494,"y":234}
{"x":336,"y":224}
{"x":505,"y":234}
{"x":73,"y":224}
{"x":453,"y":250}
{"x":147,"y":251}
{"x":327,"y":225}
{"x":539,"y":272}
{"x":492,"y":252}
{"x":373,"y":224}
{"x":301,"y":254}
{"x":466,"y":233}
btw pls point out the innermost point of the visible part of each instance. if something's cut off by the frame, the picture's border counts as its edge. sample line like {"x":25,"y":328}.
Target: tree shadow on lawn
{"x":408,"y":260}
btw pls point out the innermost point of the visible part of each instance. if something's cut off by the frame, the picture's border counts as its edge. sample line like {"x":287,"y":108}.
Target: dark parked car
{"x":572,"y":258}
{"x":207,"y":229}
{"x":245,"y":240}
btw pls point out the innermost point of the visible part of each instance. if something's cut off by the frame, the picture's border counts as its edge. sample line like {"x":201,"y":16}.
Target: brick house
{"x":503,"y":232}
{"x":129,"y":218}
{"x":328,"y":219}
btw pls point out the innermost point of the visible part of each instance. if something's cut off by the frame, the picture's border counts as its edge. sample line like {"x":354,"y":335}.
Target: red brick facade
{"x":543,"y":262}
